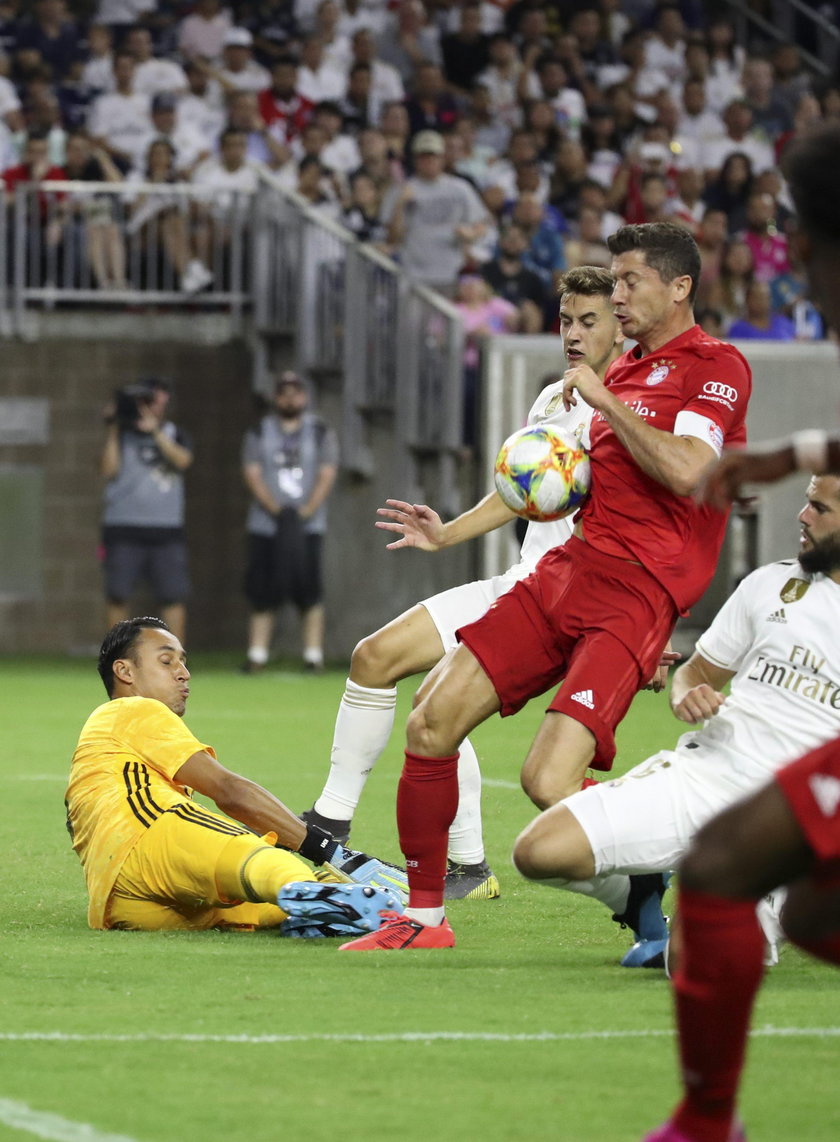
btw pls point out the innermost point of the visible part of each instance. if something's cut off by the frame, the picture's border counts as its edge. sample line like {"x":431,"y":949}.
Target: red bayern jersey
{"x":631,"y":515}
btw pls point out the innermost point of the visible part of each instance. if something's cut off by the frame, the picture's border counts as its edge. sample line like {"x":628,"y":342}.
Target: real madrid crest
{"x":793,"y":590}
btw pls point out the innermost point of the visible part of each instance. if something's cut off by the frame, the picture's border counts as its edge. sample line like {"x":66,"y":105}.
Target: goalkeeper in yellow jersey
{"x":154,"y":859}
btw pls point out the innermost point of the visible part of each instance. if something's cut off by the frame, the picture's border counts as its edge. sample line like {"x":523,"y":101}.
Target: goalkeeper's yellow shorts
{"x":168,"y":880}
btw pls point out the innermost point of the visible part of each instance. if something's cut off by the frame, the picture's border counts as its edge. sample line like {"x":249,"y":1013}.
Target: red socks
{"x":427,"y":801}
{"x":721,"y":965}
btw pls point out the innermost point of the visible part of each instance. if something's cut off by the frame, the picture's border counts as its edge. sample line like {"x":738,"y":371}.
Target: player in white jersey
{"x":776,"y":640}
{"x":417,"y":639}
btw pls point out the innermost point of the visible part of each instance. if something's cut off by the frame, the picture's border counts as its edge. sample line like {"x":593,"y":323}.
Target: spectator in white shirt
{"x":152,"y":75}
{"x":409,"y":39}
{"x":239,"y":70}
{"x":696,"y":121}
{"x":549,"y":81}
{"x":202,"y":106}
{"x":356,"y":15}
{"x":340,"y":153}
{"x":98,"y":71}
{"x":189,"y":145}
{"x":665,"y":49}
{"x":226,"y":185}
{"x":738,"y":120}
{"x":203,"y":32}
{"x":121,"y":118}
{"x":123,"y":12}
{"x":385,"y":81}
{"x":501,"y":78}
{"x":318,"y":79}
{"x":337,"y":53}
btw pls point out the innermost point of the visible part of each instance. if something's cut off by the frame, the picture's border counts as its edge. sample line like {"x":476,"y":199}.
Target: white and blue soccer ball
{"x":542,"y":472}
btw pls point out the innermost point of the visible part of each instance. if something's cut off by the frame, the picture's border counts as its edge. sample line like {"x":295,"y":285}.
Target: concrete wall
{"x":366,"y":585}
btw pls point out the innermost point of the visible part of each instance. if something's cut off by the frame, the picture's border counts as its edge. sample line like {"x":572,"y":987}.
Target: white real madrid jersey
{"x":780,"y":632}
{"x":548,"y":409}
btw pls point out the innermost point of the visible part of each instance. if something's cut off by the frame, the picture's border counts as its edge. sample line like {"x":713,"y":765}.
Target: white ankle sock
{"x":466,"y":843}
{"x":362,"y":728}
{"x":431,"y":917}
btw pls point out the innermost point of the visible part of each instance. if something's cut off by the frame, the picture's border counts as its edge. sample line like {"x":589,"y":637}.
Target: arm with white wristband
{"x":811,"y":450}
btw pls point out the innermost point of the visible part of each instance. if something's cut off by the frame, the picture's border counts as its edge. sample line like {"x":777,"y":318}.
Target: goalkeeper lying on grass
{"x":154,"y":859}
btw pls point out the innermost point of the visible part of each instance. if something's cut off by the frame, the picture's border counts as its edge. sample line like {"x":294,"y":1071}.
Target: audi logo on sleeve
{"x":718,"y":389}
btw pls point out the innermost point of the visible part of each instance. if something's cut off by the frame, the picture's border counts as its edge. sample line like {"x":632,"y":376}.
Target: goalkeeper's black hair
{"x":119,"y":643}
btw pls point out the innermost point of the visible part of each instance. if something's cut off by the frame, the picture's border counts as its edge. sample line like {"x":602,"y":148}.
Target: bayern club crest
{"x":657,"y":375}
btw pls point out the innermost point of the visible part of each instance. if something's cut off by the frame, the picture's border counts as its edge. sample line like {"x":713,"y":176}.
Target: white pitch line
{"x":498,"y":784}
{"x":19,"y":1116}
{"x":766,"y":1032}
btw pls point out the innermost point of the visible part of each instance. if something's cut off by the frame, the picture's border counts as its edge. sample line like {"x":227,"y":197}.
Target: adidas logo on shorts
{"x":777,"y":616}
{"x":826,"y":791}
{"x":586,"y":698}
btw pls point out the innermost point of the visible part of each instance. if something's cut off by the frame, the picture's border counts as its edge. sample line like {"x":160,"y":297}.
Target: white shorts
{"x":458,"y":606}
{"x":645,"y":820}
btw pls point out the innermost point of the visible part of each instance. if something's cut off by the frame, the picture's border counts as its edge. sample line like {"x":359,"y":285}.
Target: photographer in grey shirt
{"x":143,"y":461}
{"x":289,"y":464}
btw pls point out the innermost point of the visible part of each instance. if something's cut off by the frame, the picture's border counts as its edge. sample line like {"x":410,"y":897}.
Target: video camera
{"x":128,"y":402}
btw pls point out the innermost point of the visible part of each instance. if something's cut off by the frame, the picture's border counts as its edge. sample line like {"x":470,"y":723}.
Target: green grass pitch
{"x":528,"y":1029}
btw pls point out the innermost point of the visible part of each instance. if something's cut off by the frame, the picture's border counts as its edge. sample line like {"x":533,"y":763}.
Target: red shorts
{"x":598,"y":622}
{"x":811,"y":787}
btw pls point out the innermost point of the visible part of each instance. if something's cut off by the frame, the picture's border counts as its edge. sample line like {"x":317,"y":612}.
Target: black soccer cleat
{"x":471,"y":882}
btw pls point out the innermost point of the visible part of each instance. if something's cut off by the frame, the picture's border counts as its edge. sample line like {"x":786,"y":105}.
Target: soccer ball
{"x":542,"y":472}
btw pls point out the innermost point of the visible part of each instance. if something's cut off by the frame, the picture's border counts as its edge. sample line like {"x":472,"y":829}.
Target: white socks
{"x":362,"y":729}
{"x":613,"y":889}
{"x":466,"y":843}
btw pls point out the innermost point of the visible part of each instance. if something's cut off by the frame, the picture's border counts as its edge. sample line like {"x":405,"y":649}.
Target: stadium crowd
{"x":501,"y":140}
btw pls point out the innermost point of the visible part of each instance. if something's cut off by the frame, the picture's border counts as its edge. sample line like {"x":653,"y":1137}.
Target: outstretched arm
{"x":419,"y":526}
{"x":696,"y":689}
{"x":812,"y":450}
{"x":241,"y":799}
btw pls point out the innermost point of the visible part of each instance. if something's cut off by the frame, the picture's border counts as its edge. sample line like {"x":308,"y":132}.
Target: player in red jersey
{"x":789,"y":832}
{"x":597,"y":612}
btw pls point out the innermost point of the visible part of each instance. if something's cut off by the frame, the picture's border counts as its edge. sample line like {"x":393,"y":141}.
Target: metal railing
{"x":780,"y":26}
{"x":349,"y":310}
{"x":110,"y":244}
{"x":398,"y":345}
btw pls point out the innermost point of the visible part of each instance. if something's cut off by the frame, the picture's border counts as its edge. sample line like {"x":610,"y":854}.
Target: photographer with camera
{"x":143,"y":462}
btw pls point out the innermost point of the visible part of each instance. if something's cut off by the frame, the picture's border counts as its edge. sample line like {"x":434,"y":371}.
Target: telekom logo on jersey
{"x":637,"y":406}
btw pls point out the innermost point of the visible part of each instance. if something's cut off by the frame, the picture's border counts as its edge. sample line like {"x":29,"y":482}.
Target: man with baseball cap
{"x":433,"y":217}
